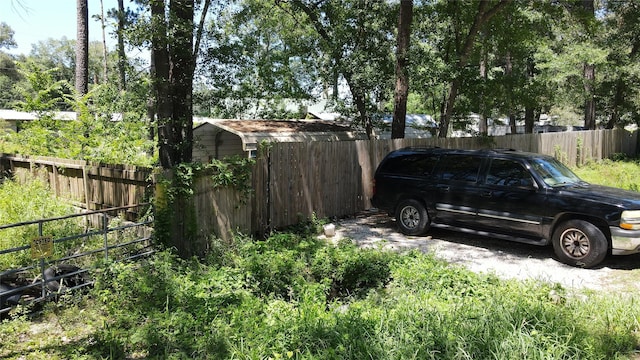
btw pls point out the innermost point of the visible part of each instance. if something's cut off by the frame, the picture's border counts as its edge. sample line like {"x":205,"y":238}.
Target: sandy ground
{"x":503,"y":258}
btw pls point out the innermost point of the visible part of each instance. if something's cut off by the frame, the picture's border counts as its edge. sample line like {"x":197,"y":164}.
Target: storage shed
{"x":216,"y":139}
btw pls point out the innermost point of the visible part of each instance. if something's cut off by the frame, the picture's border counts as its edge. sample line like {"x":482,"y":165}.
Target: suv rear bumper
{"x":624,"y":242}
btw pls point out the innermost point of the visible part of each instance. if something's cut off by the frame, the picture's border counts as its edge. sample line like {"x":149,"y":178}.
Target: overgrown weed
{"x":621,"y":173}
{"x":294,"y":296}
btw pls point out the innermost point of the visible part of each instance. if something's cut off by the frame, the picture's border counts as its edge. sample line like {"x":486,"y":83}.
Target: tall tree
{"x":402,"y":75}
{"x":567,"y":64}
{"x":485,"y":11}
{"x":257,"y":58}
{"x":122,"y":56}
{"x":174,"y":58}
{"x":6,"y":36}
{"x":620,"y":89}
{"x":174,"y":63}
{"x":514,"y":37}
{"x":588,"y":8}
{"x":105,"y":50}
{"x":9,"y":74}
{"x":82,"y":48}
{"x":354,"y":37}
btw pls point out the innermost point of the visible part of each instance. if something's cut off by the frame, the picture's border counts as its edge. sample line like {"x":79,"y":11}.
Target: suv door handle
{"x":444,"y":188}
{"x":486,"y":194}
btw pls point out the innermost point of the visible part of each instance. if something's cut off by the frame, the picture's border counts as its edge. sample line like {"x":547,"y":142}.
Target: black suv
{"x":511,"y":195}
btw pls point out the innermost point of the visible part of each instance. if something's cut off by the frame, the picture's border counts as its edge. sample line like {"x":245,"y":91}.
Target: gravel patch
{"x":508,"y":260}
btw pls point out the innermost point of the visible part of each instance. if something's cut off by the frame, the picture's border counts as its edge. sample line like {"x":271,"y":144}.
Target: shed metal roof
{"x":252,"y":132}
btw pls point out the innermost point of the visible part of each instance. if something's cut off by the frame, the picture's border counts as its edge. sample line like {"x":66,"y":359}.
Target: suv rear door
{"x":405,"y":176}
{"x":456,"y":189}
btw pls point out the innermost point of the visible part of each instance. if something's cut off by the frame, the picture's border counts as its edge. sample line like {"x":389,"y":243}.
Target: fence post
{"x":85,"y":178}
{"x":105,"y":229}
{"x":43,"y":292}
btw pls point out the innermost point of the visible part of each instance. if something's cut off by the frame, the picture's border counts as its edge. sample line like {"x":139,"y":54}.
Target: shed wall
{"x":213,"y":143}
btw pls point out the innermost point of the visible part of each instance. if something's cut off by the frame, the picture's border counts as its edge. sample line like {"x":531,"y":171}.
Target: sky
{"x":35,"y":20}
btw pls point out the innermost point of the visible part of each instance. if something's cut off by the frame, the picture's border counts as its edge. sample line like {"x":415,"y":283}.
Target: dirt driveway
{"x":505,"y":259}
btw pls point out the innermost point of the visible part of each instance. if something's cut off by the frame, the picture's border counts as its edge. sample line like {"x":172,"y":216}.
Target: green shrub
{"x":159,"y":305}
{"x":351,"y":271}
{"x":276,"y":273}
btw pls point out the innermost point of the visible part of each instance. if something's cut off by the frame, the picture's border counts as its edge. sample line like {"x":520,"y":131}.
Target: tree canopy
{"x":505,"y":60}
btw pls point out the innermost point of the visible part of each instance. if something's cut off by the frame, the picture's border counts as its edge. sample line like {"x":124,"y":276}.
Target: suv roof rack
{"x":420,"y":147}
{"x":503,"y":150}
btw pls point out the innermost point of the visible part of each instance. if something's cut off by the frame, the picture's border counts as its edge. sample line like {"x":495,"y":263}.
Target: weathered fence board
{"x":220,"y":211}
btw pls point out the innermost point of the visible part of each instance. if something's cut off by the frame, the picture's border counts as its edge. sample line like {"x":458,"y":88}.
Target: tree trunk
{"x":82,"y":48}
{"x":358,"y":94}
{"x":590,"y":102}
{"x":173,"y":59}
{"x":513,"y":126}
{"x":589,"y":71}
{"x":152,"y":105}
{"x":528,"y":119}
{"x":360,"y":100}
{"x":182,"y":66}
{"x":105,"y":68}
{"x":160,"y":60}
{"x":402,"y":76}
{"x":529,"y":110}
{"x":122,"y":56}
{"x":510,"y":108}
{"x":448,"y":107}
{"x":483,"y":126}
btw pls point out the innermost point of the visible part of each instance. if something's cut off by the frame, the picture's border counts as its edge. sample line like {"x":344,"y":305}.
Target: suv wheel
{"x":579,"y":243}
{"x":412,"y":217}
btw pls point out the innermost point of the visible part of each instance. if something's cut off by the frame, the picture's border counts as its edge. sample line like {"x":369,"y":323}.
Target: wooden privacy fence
{"x":92,"y":186}
{"x":294,"y":181}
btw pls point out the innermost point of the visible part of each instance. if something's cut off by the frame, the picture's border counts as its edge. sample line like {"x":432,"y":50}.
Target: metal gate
{"x":56,"y":255}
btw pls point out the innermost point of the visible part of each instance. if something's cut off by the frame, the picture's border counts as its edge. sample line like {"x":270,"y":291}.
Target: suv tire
{"x":412,"y":217}
{"x":579,"y":243}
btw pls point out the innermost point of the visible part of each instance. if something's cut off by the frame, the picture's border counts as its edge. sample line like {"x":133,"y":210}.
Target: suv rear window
{"x":413,"y":165}
{"x":459,"y":168}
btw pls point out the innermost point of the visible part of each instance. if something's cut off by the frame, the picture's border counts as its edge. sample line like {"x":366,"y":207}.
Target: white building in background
{"x":417,"y":126}
{"x":11,"y":118}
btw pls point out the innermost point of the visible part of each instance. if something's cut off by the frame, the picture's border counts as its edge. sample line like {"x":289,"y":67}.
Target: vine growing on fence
{"x":231,"y":172}
{"x":175,"y":223}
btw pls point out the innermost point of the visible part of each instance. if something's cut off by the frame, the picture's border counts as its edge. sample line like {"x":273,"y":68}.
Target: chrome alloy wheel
{"x":575,"y":243}
{"x":410,"y":217}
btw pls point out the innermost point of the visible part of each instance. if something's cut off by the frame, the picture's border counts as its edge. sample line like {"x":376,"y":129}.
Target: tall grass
{"x":403,"y":306}
{"x":297,"y":297}
{"x":33,"y":200}
{"x":21,"y":202}
{"x":622,"y":173}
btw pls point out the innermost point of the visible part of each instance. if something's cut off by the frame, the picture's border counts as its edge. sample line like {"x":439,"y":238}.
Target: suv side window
{"x":459,"y":168}
{"x":504,"y":172}
{"x":413,"y":165}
